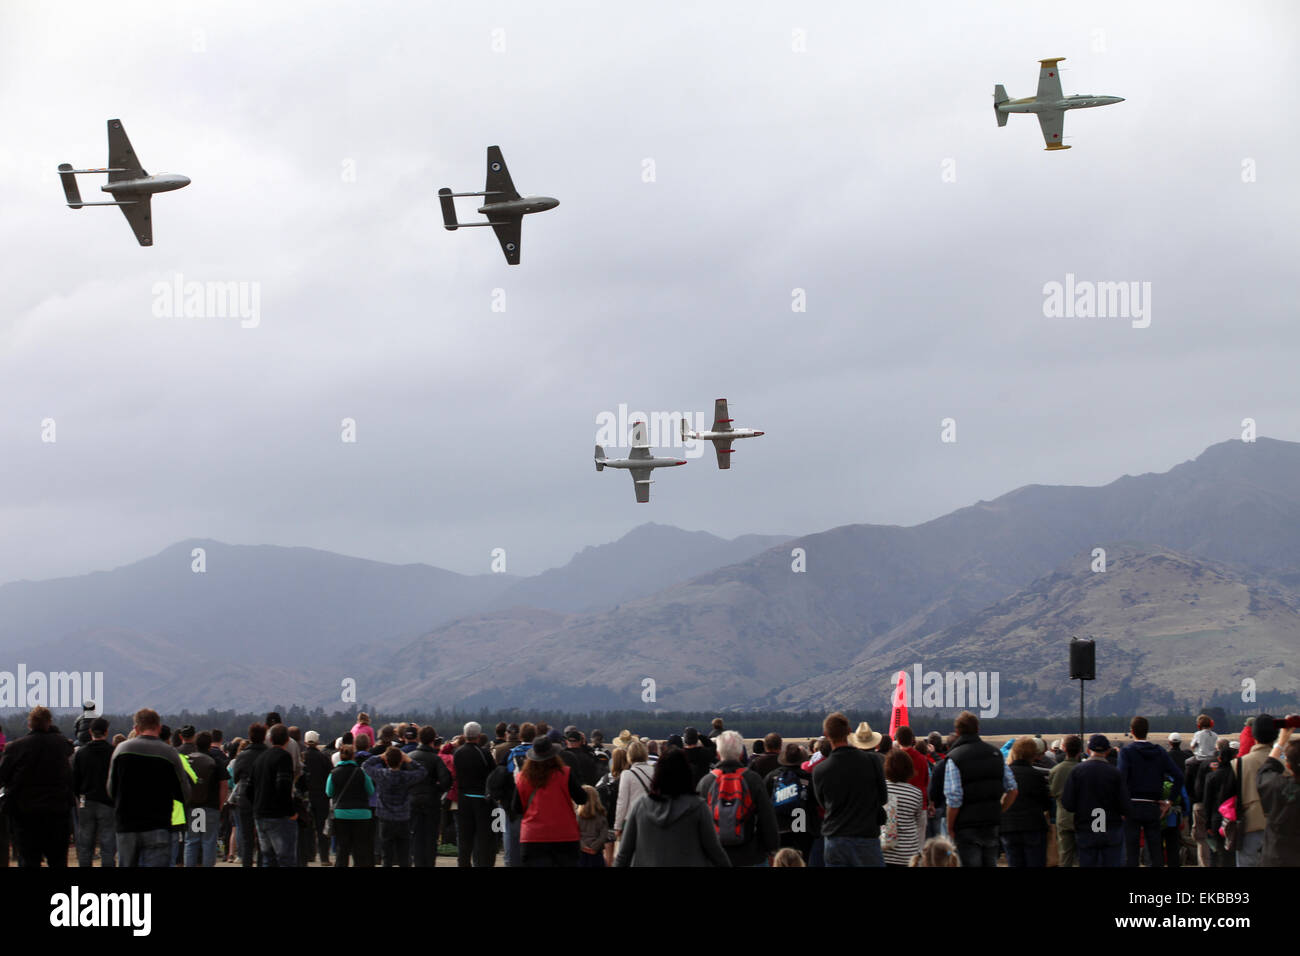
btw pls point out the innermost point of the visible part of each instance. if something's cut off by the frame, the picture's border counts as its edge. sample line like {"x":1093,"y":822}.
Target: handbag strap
{"x":335,"y":802}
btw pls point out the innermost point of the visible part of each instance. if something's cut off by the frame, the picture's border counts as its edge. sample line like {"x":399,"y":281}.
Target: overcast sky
{"x":867,"y":169}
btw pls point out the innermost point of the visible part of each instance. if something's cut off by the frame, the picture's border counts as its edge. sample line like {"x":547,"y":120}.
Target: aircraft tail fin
{"x":600,"y":458}
{"x":1000,"y":97}
{"x":448,"y":209}
{"x":70,"y":185}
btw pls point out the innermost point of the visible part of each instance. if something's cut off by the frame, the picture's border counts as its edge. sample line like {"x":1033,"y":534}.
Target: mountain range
{"x":1199,"y":592}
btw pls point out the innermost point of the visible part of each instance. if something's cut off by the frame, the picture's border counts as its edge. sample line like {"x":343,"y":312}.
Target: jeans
{"x":853,"y":851}
{"x":1143,"y":824}
{"x":424,"y":835}
{"x":279,"y":839}
{"x":356,"y":842}
{"x":937,"y":825}
{"x":395,"y":838}
{"x":1249,"y":849}
{"x":514,"y":856}
{"x":978,"y":846}
{"x":145,"y":848}
{"x":475,"y":839}
{"x":551,"y":854}
{"x":201,"y":836}
{"x":95,"y":825}
{"x":1104,"y":855}
{"x":817,"y":855}
{"x":1026,"y":848}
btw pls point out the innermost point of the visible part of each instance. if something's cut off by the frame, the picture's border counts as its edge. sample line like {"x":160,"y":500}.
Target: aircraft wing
{"x":508,"y":232}
{"x":1049,"y":80}
{"x":498,"y":177}
{"x":122,"y":157}
{"x":722,"y":446}
{"x":721,"y":417}
{"x":138,"y":215}
{"x":1053,"y":123}
{"x":641,"y":483}
{"x":640,"y":442}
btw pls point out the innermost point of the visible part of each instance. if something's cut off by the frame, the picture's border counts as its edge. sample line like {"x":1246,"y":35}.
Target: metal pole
{"x":1085,"y":744}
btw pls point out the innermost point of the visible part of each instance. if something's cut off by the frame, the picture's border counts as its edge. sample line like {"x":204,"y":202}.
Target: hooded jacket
{"x":1143,"y":765}
{"x":37,"y":772}
{"x":670,"y":831}
{"x":393,"y":787}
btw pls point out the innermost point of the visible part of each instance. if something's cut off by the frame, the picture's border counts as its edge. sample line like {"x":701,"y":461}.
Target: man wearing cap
{"x":977,"y":786}
{"x":1176,"y":752}
{"x":1097,"y":797}
{"x":577,"y":755}
{"x":1250,"y":811}
{"x":696,"y":754}
{"x":316,"y":768}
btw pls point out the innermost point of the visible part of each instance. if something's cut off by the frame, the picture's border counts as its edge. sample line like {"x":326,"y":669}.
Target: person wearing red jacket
{"x":545,"y":792}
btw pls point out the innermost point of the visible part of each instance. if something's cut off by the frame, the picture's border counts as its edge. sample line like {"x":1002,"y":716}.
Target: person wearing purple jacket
{"x":394,"y":774}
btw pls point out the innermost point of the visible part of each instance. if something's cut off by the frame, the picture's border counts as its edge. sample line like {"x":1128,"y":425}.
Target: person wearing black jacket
{"x":1279,"y":795}
{"x":316,"y":769}
{"x":977,"y":786}
{"x":36,"y":775}
{"x":473,"y":761}
{"x":850,"y":785}
{"x":1215,"y":783}
{"x":274,"y":812}
{"x":1096,"y":794}
{"x":579,"y":758}
{"x":95,"y":823}
{"x":1023,"y":827}
{"x":241,"y":776}
{"x":761,"y":837}
{"x":426,"y":799}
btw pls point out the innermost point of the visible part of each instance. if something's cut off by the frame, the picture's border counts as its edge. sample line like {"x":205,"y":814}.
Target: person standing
{"x":1096,"y":795}
{"x":147,"y":778}
{"x":1144,"y":767}
{"x":395,"y":775}
{"x":349,"y":789}
{"x":203,"y":811}
{"x":1067,"y":851}
{"x":978,"y":787}
{"x":473,"y":762}
{"x":316,"y":768}
{"x":36,"y":774}
{"x":90,"y":782}
{"x":1023,"y":826}
{"x":850,"y":785}
{"x":274,"y":813}
{"x":545,"y":792}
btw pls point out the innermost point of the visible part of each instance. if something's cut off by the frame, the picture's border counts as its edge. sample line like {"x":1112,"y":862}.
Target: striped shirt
{"x":909,"y":816}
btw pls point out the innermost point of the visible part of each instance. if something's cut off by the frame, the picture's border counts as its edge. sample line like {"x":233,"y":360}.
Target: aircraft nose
{"x":184,"y":180}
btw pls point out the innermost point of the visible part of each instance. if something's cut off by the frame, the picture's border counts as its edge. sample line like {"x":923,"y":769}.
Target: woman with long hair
{"x":671,"y":825}
{"x":545,"y":792}
{"x":607,"y":786}
{"x":593,"y":830}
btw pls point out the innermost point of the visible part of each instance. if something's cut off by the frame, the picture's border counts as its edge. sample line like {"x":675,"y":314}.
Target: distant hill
{"x":265,"y":622}
{"x":752,"y":634}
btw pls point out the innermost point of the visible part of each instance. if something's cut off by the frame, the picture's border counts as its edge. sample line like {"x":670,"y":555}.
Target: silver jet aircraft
{"x":505,"y":208}
{"x":129,"y":185}
{"x":722,"y":434}
{"x":640,"y":462}
{"x":1049,"y":104}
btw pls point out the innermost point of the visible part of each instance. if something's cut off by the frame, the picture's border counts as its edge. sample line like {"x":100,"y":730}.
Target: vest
{"x":981,"y":769}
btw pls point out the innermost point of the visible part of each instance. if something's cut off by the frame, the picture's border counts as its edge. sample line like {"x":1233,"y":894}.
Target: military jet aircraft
{"x":129,"y":185}
{"x":640,"y":462}
{"x":1049,"y":104}
{"x":722,"y":434}
{"x":505,"y":208}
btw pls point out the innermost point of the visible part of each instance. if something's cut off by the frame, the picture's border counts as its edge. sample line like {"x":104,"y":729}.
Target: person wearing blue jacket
{"x":1144,"y":766}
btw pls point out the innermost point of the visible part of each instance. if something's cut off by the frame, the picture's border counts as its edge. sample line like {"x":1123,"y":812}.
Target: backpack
{"x":199,"y":787}
{"x":889,"y":830}
{"x":789,"y":793}
{"x":732,"y":806}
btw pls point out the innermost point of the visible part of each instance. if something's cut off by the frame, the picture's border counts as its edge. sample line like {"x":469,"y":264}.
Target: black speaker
{"x":1083,"y":659}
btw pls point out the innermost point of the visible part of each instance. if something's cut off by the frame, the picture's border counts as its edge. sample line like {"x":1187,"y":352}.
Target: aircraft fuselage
{"x":159,"y":183}
{"x":734,"y":433}
{"x":642,"y":462}
{"x":1079,"y":101}
{"x":518,"y":207}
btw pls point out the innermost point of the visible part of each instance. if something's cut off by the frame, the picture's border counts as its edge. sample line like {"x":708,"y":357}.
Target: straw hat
{"x":864,"y":738}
